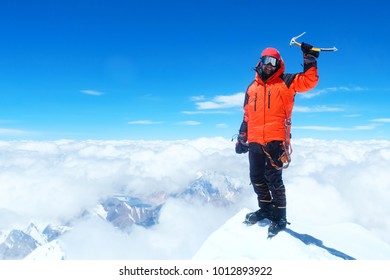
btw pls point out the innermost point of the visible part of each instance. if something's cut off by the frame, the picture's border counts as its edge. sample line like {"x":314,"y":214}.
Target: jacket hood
{"x":274,"y":53}
{"x":271,"y":52}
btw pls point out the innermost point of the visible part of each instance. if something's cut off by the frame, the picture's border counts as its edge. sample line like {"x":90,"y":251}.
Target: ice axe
{"x":294,"y":42}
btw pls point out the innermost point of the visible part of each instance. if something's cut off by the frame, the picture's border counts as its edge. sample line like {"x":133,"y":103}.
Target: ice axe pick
{"x":294,"y":42}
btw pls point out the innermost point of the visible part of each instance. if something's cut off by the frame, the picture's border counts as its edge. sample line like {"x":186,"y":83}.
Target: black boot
{"x":279,"y":222}
{"x":265,"y":212}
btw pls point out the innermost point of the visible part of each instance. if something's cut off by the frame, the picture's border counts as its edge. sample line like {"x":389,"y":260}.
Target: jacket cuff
{"x":309,"y":64}
{"x":243,"y":128}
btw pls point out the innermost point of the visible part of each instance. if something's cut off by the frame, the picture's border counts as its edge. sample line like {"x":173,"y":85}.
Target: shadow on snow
{"x":310,"y":240}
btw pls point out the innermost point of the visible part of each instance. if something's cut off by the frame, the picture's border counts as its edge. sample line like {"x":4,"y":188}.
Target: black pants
{"x":266,"y":180}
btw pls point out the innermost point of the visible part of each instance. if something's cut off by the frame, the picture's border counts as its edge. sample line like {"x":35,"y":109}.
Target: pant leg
{"x":274,"y":176}
{"x":257,"y":167}
{"x":277,"y":189}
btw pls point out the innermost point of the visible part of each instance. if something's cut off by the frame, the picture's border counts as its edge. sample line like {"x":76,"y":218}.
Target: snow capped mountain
{"x":124,"y":211}
{"x":212,"y":187}
{"x":17,"y":245}
{"x":3,"y":235}
{"x":33,"y":231}
{"x":235,"y":240}
{"x":52,"y":232}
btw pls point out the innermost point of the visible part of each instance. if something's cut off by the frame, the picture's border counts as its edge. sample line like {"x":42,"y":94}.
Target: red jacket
{"x":268,"y":105}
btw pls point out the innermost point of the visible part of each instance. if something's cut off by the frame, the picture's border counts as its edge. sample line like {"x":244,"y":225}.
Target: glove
{"x":241,"y":144}
{"x":307,"y":50}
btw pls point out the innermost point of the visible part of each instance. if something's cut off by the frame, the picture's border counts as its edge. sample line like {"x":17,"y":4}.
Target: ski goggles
{"x":269,"y":60}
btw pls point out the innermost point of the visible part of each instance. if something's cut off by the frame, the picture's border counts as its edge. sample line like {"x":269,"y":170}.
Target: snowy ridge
{"x":123,"y":214}
{"x":51,"y":251}
{"x":35,"y":233}
{"x":235,"y":240}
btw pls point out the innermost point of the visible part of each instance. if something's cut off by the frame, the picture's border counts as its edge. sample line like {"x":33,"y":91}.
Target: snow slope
{"x":48,"y":251}
{"x":235,"y":240}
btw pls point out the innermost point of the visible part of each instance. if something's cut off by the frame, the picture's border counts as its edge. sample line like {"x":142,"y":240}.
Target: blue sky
{"x":178,"y":69}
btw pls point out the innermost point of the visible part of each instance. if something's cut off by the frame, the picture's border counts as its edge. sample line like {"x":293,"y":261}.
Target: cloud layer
{"x":328,"y":182}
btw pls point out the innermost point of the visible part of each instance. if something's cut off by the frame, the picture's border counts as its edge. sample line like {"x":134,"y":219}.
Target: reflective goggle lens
{"x":269,"y":60}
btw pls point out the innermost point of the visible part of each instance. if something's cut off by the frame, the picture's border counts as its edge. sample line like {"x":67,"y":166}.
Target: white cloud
{"x":316,"y":109}
{"x":383,"y":120}
{"x":92,"y":231}
{"x":198,"y":98}
{"x":12,"y":132}
{"x":222,"y":125}
{"x":320,"y":128}
{"x":208,"y":112}
{"x":335,"y":128}
{"x":67,"y":176}
{"x":91,"y":92}
{"x":222,"y":102}
{"x":190,"y":123}
{"x":317,"y":92}
{"x":364,"y":127}
{"x":144,"y":122}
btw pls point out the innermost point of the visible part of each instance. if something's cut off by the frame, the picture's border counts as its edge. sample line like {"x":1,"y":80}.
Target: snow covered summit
{"x":235,"y":240}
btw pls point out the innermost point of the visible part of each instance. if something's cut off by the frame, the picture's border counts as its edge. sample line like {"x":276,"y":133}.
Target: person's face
{"x":268,"y":69}
{"x":269,"y":65}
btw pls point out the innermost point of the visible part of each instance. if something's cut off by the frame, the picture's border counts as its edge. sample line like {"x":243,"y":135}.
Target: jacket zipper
{"x":264,"y":109}
{"x":255,"y":101}
{"x":269,"y":98}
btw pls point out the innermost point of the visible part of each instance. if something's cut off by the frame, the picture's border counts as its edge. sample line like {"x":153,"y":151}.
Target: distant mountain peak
{"x":17,"y":245}
{"x":212,"y":187}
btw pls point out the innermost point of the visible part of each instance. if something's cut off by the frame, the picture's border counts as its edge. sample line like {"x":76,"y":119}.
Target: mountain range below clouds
{"x":146,"y":199}
{"x":121,"y":211}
